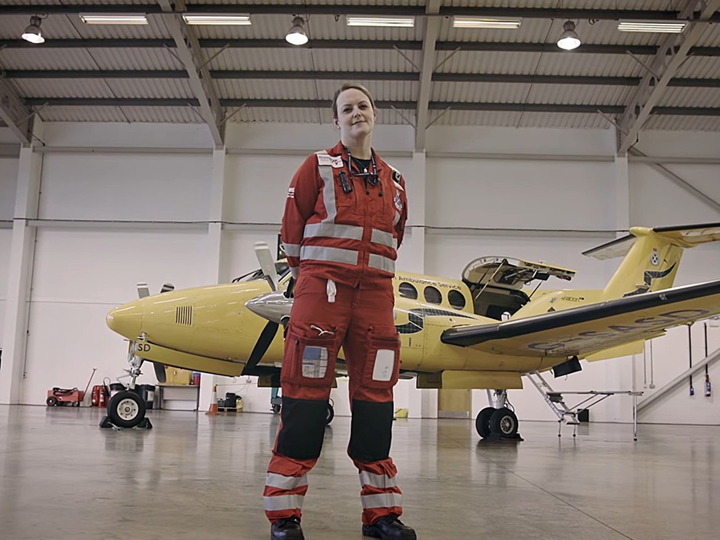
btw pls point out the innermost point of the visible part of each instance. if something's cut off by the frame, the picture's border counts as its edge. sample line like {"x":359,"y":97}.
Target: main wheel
{"x":52,"y":401}
{"x":330,"y":414}
{"x":482,"y":422}
{"x":126,"y":409}
{"x":504,"y":422}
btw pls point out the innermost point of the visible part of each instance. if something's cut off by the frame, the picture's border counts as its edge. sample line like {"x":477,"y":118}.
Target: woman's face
{"x":356,"y":117}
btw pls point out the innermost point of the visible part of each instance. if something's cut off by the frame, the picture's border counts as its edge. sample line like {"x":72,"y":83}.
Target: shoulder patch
{"x":325,"y":159}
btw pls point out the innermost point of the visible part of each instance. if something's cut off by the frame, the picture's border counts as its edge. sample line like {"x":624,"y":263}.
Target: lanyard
{"x":368,"y":177}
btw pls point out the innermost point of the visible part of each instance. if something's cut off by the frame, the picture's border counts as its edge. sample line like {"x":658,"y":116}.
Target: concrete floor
{"x":197,"y":477}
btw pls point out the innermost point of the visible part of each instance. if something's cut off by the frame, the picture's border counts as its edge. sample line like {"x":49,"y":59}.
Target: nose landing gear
{"x":498,"y":422}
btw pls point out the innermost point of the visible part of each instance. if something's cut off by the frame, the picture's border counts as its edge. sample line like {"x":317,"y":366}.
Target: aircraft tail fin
{"x":652,"y":256}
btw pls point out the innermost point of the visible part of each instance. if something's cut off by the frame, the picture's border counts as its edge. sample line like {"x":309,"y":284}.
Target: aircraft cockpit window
{"x":408,"y":290}
{"x":456,"y":299}
{"x":432,"y":295}
{"x":281,"y":267}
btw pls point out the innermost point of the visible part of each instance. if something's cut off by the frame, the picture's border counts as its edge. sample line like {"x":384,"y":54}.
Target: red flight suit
{"x":342,"y":230}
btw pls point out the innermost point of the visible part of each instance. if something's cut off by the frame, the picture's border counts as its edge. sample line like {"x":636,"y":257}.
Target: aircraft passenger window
{"x":456,"y":299}
{"x":432,"y":295}
{"x":407,"y":290}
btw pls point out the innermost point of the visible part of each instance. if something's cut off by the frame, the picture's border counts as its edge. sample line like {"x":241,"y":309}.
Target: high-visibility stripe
{"x":326,"y":173}
{"x":397,"y":218}
{"x":383,"y":238}
{"x":283,"y":502}
{"x":292,"y":250}
{"x":381,"y":500}
{"x":333,"y":231}
{"x":319,"y":253}
{"x":286,"y":482}
{"x":381,"y":263}
{"x":380,"y":481}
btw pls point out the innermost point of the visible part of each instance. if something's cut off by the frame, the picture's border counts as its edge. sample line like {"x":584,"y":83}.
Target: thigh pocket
{"x":382,"y":365}
{"x":310,"y":355}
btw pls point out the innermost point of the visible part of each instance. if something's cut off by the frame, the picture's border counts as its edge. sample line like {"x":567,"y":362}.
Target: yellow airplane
{"x":484,"y":331}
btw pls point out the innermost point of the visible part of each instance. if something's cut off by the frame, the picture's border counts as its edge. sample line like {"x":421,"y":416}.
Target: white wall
{"x":8,"y":180}
{"x":81,"y":273}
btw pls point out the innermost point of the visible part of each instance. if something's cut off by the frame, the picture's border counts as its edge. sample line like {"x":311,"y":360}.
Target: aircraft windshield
{"x":281,"y":266}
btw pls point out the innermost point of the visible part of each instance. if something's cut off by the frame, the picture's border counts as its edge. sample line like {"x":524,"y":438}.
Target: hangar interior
{"x":162,"y":151}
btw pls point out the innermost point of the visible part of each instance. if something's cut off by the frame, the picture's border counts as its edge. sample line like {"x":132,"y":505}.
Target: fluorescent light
{"x":216,"y":20}
{"x":113,"y":18}
{"x":395,"y":22}
{"x":661,"y":27}
{"x":486,"y":22}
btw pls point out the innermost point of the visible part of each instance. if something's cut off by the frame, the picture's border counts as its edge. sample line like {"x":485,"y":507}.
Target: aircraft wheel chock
{"x":504,"y":422}
{"x":126,"y":409}
{"x":330,"y":414}
{"x":482,"y":422}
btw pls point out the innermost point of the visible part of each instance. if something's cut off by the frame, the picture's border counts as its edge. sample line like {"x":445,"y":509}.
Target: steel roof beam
{"x":673,"y":50}
{"x":15,"y":114}
{"x":188,"y":52}
{"x":405,"y":105}
{"x":340,"y":9}
{"x":279,"y":43}
{"x":427,"y":67}
{"x":343,"y":75}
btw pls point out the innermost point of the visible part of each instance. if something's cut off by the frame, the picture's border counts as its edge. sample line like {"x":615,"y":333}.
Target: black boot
{"x":389,"y":528}
{"x":287,"y":529}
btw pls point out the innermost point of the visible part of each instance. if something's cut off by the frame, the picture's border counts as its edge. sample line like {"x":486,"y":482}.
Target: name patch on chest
{"x":335,"y":162}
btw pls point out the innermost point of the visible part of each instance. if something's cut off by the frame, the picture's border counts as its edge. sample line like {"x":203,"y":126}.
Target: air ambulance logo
{"x":398,"y":201}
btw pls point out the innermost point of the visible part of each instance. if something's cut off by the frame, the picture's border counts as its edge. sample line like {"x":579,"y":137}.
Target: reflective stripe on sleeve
{"x":286,"y":482}
{"x":283,"y":502}
{"x":381,"y":500}
{"x":397,"y":218}
{"x":380,"y":262}
{"x":333,"y":231}
{"x":326,"y":173}
{"x":319,"y":253}
{"x":383,"y":238}
{"x":292,"y":250}
{"x":380,"y":481}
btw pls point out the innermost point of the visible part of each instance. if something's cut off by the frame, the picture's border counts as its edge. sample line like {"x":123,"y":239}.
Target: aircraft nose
{"x":126,"y":320}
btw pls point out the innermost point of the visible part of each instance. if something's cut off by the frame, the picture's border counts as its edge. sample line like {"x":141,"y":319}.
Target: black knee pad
{"x":371,"y":433}
{"x":303,"y":428}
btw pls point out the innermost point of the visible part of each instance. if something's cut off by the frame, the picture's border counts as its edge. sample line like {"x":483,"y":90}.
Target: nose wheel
{"x":499,"y":422}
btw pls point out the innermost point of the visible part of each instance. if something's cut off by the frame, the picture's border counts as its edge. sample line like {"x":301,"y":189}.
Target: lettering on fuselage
{"x":663,"y":320}
{"x":416,"y":319}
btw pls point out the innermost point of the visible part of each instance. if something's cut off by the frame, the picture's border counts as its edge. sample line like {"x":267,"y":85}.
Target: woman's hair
{"x":349,"y":86}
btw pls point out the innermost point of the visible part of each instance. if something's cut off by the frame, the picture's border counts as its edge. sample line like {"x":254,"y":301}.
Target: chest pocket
{"x":345,"y":191}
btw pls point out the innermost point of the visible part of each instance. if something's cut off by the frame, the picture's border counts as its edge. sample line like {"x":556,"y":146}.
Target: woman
{"x":344,"y":219}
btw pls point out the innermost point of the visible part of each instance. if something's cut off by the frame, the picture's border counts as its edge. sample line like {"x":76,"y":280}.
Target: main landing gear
{"x":498,"y":422}
{"x":126,"y":409}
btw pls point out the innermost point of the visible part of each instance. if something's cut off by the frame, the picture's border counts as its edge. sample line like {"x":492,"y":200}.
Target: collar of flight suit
{"x":339,"y":150}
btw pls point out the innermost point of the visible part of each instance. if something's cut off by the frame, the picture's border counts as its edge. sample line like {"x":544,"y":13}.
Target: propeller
{"x":143,"y":292}
{"x":267,"y":264}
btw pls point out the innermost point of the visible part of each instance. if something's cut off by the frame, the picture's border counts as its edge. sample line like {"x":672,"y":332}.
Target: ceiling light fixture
{"x":296,"y":35}
{"x":486,"y":22}
{"x":660,"y":27}
{"x":197,"y":19}
{"x":32,"y":33}
{"x":394,"y":22}
{"x":113,"y":18}
{"x":569,"y":40}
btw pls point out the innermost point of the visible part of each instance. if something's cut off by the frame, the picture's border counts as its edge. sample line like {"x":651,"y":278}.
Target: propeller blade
{"x":160,"y":372}
{"x":168,"y":287}
{"x":267,"y":263}
{"x":261,"y":347}
{"x":143,"y":290}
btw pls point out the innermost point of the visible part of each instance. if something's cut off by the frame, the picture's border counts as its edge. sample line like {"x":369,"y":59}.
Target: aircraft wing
{"x":587,"y":329}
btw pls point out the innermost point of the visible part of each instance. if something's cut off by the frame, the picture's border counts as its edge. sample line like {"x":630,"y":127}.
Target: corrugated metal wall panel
{"x":172,"y":115}
{"x":309,"y":116}
{"x":691,"y":97}
{"x":135,"y":58}
{"x":578,"y":94}
{"x":46,"y":59}
{"x":585,"y":4}
{"x":563,"y":120}
{"x":700,"y":68}
{"x":256,"y":59}
{"x":476,"y":118}
{"x":590,"y":65}
{"x":82,"y":114}
{"x":488,"y":62}
{"x":309,"y":89}
{"x":684,"y":123}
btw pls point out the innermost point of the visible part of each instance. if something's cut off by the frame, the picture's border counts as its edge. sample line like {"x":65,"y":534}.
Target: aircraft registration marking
{"x":643,"y":323}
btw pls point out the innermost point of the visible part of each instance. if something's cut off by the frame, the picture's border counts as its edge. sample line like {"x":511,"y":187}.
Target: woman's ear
{"x":335,"y":123}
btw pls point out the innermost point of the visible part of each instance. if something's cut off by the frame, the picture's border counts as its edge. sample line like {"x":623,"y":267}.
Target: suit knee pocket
{"x":382,"y":365}
{"x":311,"y":356}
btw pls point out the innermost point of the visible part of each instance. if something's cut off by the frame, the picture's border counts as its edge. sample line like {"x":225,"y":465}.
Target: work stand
{"x":569,"y":414}
{"x":105,"y":423}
